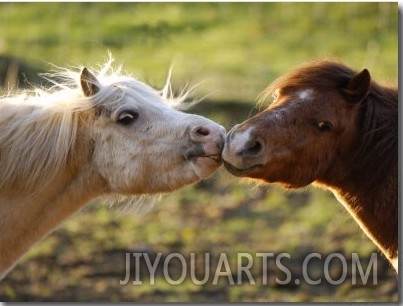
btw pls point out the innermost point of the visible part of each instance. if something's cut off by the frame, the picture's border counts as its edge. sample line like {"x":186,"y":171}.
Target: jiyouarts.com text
{"x":258,"y":268}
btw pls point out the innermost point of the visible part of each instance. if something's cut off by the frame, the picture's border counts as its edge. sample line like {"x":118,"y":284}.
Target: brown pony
{"x":334,"y":127}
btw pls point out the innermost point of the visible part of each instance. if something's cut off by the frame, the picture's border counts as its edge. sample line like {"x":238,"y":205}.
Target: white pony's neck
{"x":25,"y":220}
{"x":28,"y":215}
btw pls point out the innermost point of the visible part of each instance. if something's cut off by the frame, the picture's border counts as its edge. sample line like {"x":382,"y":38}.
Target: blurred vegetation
{"x":235,"y":49}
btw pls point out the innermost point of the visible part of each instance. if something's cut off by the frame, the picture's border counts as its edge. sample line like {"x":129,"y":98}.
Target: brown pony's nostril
{"x":252,"y":148}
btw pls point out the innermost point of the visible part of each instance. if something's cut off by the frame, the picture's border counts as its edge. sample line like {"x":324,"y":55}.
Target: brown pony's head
{"x":306,"y":132}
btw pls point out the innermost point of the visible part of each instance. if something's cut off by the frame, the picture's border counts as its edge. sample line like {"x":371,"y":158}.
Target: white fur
{"x":305,"y":94}
{"x":240,"y":139}
{"x":59,"y":149}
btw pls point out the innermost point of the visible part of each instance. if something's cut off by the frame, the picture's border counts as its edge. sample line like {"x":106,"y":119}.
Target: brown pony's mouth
{"x":240,"y":172}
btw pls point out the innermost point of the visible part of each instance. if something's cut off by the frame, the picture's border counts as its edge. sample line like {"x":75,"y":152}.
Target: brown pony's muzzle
{"x":243,"y":152}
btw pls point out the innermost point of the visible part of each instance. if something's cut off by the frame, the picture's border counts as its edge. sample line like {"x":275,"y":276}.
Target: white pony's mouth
{"x":203,"y":166}
{"x":216,"y":157}
{"x":204,"y":163}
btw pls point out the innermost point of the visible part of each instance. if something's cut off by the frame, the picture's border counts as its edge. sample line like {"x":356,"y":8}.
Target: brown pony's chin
{"x":241,"y":172}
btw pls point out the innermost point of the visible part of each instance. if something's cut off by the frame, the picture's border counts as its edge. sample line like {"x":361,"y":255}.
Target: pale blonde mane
{"x":38,"y":128}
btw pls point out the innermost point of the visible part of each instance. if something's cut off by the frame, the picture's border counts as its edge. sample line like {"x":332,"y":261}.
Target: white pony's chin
{"x":204,"y":166}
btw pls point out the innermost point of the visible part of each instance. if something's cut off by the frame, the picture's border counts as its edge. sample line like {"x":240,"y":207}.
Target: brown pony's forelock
{"x":323,"y":75}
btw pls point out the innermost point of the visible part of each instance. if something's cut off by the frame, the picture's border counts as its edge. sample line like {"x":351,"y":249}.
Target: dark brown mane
{"x":377,"y":156}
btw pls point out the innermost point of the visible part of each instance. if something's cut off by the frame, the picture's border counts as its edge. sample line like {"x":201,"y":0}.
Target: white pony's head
{"x":141,"y":143}
{"x":128,"y":135}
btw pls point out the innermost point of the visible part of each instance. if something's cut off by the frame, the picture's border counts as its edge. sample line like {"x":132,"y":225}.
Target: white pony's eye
{"x":127,"y":117}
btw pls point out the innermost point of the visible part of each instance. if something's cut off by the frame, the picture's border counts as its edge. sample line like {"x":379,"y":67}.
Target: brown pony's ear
{"x":89,"y":83}
{"x":357,"y":88}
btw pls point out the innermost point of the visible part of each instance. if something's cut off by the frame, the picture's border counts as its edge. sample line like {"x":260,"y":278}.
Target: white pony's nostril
{"x":199,"y":133}
{"x":202,"y":131}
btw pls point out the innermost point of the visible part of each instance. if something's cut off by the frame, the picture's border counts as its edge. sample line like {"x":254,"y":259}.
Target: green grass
{"x":236,"y":49}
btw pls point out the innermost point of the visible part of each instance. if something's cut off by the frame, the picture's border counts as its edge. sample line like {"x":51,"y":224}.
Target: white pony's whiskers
{"x":132,"y":204}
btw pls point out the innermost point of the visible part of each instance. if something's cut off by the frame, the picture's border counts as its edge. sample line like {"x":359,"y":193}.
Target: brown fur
{"x":357,"y":158}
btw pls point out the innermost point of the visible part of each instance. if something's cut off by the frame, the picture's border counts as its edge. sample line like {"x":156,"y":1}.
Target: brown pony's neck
{"x":376,"y":212}
{"x":367,"y":183}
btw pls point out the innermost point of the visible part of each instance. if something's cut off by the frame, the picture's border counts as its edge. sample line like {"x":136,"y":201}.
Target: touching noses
{"x":242,"y":149}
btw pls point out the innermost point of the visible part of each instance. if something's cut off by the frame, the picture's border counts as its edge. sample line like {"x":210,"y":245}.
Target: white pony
{"x":90,"y":136}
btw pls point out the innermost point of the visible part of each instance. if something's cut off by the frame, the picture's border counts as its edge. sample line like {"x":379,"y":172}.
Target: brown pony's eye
{"x":324,"y":126}
{"x":127,"y":117}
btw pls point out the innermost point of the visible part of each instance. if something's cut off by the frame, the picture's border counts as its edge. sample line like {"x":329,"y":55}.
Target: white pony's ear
{"x":89,"y":83}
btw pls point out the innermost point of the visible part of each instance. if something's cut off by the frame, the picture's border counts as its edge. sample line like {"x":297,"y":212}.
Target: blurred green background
{"x":233,"y":50}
